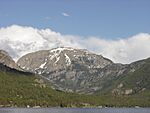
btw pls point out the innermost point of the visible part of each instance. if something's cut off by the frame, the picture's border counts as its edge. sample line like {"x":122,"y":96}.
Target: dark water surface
{"x":74,"y":110}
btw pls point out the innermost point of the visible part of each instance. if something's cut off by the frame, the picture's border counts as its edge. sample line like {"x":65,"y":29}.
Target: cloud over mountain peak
{"x":19,"y":40}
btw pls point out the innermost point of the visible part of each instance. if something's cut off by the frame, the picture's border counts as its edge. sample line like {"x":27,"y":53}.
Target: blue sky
{"x":110,"y":19}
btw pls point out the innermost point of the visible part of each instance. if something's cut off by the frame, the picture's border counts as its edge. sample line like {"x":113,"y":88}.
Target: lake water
{"x":74,"y":110}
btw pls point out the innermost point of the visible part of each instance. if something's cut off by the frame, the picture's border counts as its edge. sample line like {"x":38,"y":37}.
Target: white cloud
{"x":47,"y":18}
{"x":65,"y":14}
{"x":121,"y":50}
{"x":19,"y":40}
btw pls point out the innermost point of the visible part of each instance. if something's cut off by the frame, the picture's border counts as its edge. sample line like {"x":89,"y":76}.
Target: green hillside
{"x":135,"y":82}
{"x":139,"y":79}
{"x":21,"y":90}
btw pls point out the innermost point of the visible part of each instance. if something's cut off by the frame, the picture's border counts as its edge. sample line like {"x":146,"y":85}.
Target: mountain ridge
{"x":76,"y":70}
{"x":7,"y":60}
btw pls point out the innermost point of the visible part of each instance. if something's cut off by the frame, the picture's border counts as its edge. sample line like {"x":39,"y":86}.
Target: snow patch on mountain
{"x":68,"y":61}
{"x":42,"y":65}
{"x":57,"y":59}
{"x":60,"y":49}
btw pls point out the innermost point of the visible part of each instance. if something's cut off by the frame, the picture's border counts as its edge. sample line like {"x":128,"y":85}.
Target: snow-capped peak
{"x":60,"y":49}
{"x":55,"y":53}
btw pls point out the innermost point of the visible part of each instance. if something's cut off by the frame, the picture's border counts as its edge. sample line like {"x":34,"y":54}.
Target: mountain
{"x":67,"y":68}
{"x":136,"y":81}
{"x":118,"y":85}
{"x":7,"y":60}
{"x":78,"y":70}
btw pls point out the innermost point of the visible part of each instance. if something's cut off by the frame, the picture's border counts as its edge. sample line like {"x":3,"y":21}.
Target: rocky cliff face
{"x":7,"y":60}
{"x":60,"y":58}
{"x":75,"y":70}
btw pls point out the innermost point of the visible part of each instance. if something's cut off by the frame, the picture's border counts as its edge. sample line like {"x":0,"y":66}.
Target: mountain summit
{"x":78,"y":70}
{"x":60,"y":58}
